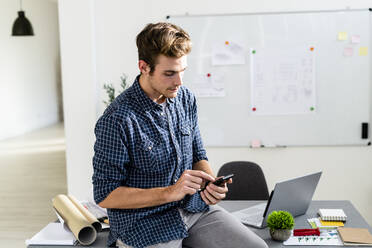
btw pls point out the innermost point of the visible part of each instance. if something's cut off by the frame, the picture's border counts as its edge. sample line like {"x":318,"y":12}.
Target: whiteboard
{"x":226,"y":79}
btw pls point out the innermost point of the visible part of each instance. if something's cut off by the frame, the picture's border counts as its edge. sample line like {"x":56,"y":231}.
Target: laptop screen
{"x":268,"y":203}
{"x":294,"y":195}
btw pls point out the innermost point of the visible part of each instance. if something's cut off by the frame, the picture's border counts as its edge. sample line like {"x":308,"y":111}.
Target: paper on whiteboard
{"x":228,"y":53}
{"x":282,"y":81}
{"x":348,"y":51}
{"x":207,"y":85}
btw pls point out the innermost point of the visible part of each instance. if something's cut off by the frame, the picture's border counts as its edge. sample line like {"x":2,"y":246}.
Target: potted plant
{"x":281,"y":224}
{"x":110,"y":89}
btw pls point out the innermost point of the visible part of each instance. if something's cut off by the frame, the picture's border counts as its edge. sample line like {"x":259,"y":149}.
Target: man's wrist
{"x":167,"y":195}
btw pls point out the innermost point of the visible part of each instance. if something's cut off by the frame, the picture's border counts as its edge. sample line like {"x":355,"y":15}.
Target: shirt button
{"x":150,"y":147}
{"x":162,"y":113}
{"x":175,"y":180}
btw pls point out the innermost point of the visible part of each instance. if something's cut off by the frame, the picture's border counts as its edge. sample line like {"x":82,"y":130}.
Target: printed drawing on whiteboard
{"x":208,"y":84}
{"x":283,"y":81}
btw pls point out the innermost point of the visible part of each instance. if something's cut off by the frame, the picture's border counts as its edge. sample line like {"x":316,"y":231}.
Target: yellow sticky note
{"x":363,"y":51}
{"x":342,"y":36}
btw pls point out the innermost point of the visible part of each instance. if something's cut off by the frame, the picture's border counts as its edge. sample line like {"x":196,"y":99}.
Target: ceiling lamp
{"x":22,"y":26}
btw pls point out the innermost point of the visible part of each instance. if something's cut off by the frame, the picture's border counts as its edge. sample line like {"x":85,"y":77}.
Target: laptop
{"x":292,"y":195}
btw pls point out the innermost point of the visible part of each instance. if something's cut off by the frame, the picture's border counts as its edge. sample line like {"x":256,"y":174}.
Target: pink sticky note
{"x":348,"y":51}
{"x":255,"y":143}
{"x":355,"y":39}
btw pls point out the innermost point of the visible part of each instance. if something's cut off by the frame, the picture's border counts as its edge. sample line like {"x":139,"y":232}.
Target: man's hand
{"x":213,"y":193}
{"x":188,"y":184}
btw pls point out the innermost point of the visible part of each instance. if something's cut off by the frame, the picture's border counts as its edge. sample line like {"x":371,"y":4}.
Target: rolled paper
{"x":79,"y":225}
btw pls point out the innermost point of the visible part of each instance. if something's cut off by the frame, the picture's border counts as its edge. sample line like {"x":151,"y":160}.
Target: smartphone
{"x":220,"y":181}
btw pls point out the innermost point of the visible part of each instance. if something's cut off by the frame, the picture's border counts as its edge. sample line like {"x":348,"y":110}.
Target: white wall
{"x":79,"y":91}
{"x":116,"y":23}
{"x":29,"y":69}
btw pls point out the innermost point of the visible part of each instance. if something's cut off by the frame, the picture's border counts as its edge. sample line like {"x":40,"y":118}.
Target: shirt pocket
{"x":147,"y":155}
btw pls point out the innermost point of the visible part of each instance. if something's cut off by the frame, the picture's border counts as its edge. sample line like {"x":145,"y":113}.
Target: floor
{"x":32,"y":172}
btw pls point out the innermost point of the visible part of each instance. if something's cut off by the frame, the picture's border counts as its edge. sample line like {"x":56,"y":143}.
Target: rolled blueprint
{"x":82,"y":224}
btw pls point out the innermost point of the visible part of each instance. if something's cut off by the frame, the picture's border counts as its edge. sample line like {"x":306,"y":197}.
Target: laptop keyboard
{"x":253,"y":218}
{"x":252,"y":211}
{"x":253,"y":215}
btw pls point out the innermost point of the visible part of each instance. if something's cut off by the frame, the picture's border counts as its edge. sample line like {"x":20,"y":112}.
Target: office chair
{"x":249,"y":182}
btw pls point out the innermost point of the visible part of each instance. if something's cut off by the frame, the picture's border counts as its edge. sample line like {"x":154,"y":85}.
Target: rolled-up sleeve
{"x":110,"y":157}
{"x":199,"y":152}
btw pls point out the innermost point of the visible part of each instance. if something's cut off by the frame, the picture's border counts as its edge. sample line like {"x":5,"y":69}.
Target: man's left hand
{"x":213,"y":194}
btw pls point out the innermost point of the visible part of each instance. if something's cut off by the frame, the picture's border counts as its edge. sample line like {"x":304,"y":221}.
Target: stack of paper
{"x":52,"y":234}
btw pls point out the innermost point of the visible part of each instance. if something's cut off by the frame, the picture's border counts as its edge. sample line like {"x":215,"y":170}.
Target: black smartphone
{"x":219,"y":182}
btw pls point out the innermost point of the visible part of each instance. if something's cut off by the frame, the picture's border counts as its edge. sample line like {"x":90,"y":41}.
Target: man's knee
{"x":218,"y":228}
{"x":247,"y":238}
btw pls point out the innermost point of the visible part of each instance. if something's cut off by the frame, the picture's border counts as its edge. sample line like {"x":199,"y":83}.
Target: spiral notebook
{"x":332,"y":214}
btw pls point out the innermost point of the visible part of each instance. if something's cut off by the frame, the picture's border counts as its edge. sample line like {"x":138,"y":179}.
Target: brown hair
{"x":162,"y":38}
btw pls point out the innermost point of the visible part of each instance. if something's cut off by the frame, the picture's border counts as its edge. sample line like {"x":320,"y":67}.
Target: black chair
{"x":249,"y":182}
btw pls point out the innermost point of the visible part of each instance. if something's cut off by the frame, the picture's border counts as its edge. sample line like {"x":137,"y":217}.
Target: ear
{"x":143,"y":67}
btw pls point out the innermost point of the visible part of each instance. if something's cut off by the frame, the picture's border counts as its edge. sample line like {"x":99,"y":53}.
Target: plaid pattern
{"x":138,"y":145}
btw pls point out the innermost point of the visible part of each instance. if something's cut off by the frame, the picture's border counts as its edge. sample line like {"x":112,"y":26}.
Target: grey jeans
{"x":212,"y":229}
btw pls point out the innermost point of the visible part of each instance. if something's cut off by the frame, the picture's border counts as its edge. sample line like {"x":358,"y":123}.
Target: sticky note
{"x":255,"y":143}
{"x":355,"y":39}
{"x":342,"y":36}
{"x":363,"y":51}
{"x":348,"y":51}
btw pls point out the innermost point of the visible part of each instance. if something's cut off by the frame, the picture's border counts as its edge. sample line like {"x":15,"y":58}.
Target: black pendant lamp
{"x":22,"y":26}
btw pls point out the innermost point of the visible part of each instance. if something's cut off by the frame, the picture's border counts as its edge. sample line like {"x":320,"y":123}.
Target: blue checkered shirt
{"x":138,"y":145}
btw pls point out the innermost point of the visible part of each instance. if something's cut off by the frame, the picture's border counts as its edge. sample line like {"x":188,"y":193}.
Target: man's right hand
{"x":188,"y":184}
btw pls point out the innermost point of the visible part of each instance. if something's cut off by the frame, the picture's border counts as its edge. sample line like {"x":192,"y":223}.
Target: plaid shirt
{"x":138,"y":145}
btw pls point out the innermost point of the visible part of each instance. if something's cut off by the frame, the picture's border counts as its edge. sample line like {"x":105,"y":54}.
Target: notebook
{"x":332,"y":214}
{"x":328,"y":223}
{"x":355,"y":236}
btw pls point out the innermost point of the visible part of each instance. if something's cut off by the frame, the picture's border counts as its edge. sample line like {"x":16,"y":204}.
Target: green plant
{"x":110,"y":89}
{"x":280,"y":220}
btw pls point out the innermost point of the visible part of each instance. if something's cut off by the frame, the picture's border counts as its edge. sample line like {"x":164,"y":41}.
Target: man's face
{"x":167,"y":76}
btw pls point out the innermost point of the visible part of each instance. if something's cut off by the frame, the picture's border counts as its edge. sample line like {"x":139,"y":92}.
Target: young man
{"x":149,"y":161}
